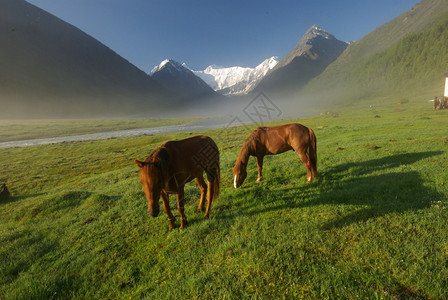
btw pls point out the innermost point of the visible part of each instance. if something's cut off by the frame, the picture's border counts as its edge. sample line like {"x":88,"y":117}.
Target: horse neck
{"x":244,"y":154}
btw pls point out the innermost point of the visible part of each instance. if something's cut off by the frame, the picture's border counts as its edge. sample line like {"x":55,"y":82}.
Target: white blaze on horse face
{"x":234,"y":181}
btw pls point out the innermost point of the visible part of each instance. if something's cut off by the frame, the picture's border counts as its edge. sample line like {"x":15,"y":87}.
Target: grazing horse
{"x":440,"y":103}
{"x":275,"y":140}
{"x":171,"y":166}
{"x":443,"y":102}
{"x":436,"y":103}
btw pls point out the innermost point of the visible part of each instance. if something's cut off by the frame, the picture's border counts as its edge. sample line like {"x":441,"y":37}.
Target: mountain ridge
{"x":316,"y":49}
{"x":51,"y":68}
{"x":236,"y":80}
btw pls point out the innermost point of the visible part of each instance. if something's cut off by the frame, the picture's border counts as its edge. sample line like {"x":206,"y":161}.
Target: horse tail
{"x":312,"y":151}
{"x":215,"y":170}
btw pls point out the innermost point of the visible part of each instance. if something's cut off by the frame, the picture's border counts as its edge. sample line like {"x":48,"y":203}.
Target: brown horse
{"x":436,"y":103}
{"x":275,"y":140}
{"x":440,"y":103}
{"x":172,"y":165}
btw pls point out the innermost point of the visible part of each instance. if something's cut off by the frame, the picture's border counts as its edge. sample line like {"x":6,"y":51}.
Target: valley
{"x":68,"y":80}
{"x":373,"y":225}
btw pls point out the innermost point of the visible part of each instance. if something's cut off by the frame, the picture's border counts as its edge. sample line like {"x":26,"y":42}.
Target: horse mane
{"x":157,"y":161}
{"x":160,"y":153}
{"x":248,"y":147}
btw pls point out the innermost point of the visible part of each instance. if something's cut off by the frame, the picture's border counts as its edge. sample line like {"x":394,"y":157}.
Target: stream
{"x":211,"y":123}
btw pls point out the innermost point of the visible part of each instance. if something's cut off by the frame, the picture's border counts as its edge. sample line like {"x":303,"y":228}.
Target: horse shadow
{"x":358,"y":186}
{"x":12,"y":199}
{"x":364,"y":168}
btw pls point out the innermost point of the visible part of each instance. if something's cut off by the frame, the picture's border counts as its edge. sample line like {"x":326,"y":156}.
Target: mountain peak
{"x":177,"y":77}
{"x":269,"y":63}
{"x":167,"y":63}
{"x":315,"y":51}
{"x":316,"y":31}
{"x":314,"y":43}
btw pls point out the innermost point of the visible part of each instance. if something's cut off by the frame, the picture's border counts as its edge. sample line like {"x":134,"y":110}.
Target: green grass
{"x":15,"y":130}
{"x":374,"y":224}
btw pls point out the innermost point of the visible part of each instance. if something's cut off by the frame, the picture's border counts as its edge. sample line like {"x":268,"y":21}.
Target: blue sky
{"x":224,"y":33}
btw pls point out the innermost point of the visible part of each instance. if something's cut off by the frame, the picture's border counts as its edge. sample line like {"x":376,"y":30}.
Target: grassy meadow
{"x":373,"y":225}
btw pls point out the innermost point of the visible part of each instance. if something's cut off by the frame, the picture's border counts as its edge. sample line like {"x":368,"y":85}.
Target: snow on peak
{"x":236,"y":80}
{"x":315,"y":31}
{"x":163,"y":63}
{"x":168,"y":63}
{"x":228,"y":81}
{"x":268,"y":64}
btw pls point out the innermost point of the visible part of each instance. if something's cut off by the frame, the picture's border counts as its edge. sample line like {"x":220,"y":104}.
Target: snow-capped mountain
{"x":176,"y":77}
{"x":235,"y":80}
{"x":169,"y":64}
{"x":315,"y":51}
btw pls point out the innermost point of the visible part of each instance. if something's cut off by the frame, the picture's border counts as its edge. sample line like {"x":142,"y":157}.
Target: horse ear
{"x":154,"y":160}
{"x":139,"y":164}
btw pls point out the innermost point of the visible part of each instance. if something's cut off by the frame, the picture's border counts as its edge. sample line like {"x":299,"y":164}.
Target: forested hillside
{"x":413,"y":67}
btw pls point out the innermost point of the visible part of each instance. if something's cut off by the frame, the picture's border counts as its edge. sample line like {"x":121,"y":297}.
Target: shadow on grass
{"x":373,"y":186}
{"x":12,"y":199}
{"x":358,"y":169}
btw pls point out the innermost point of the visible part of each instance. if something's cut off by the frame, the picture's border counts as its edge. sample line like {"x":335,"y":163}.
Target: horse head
{"x":151,"y":177}
{"x":239,"y":174}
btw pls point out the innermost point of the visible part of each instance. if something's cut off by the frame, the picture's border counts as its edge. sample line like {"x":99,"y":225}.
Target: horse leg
{"x":180,"y":208}
{"x":306,"y":161}
{"x":166,"y":207}
{"x":259,"y":160}
{"x":203,"y":187}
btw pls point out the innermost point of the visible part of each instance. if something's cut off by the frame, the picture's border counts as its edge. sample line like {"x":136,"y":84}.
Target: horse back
{"x":279,"y":139}
{"x":193,"y":153}
{"x":185,"y":160}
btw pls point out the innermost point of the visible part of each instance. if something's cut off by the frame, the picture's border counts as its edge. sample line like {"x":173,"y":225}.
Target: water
{"x":211,"y":123}
{"x":252,"y":113}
